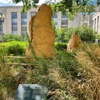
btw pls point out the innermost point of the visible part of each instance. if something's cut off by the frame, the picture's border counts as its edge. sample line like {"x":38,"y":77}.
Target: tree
{"x":74,"y":6}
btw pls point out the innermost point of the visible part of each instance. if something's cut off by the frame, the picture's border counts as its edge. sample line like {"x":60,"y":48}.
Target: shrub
{"x":69,"y":32}
{"x":86,"y":33}
{"x":15,"y":49}
{"x":98,"y":36}
{"x":12,"y":37}
{"x":60,"y":46}
{"x":60,"y":35}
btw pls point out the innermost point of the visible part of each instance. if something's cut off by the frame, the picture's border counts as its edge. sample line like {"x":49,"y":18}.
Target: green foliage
{"x":60,"y":35}
{"x":15,"y":49}
{"x":44,"y":65}
{"x":98,"y":36}
{"x":69,"y":32}
{"x":27,"y":4}
{"x":7,"y":44}
{"x":68,"y":63}
{"x":11,"y":37}
{"x":69,"y":97}
{"x":86,"y":33}
{"x":54,"y":26}
{"x":60,"y":46}
{"x":74,"y":6}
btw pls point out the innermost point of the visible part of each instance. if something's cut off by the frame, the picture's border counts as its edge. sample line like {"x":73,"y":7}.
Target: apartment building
{"x":79,"y":20}
{"x":96,"y":22}
{"x":16,"y":22}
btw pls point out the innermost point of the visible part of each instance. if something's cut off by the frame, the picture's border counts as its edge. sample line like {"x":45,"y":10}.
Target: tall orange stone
{"x":42,"y":35}
{"x":74,"y":42}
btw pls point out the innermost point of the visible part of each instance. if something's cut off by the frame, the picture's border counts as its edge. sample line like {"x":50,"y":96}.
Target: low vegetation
{"x":13,"y":37}
{"x":86,"y":33}
{"x":68,"y":76}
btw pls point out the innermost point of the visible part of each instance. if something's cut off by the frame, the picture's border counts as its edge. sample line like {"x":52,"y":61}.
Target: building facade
{"x":16,"y":22}
{"x":80,"y":20}
{"x":96,"y":22}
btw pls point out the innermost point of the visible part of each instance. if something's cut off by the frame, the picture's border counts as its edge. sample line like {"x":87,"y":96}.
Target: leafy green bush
{"x":12,"y":37}
{"x":60,"y":35}
{"x":86,"y":33}
{"x":98,"y":36}
{"x":15,"y":49}
{"x":21,"y":43}
{"x":60,"y":46}
{"x":69,"y":32}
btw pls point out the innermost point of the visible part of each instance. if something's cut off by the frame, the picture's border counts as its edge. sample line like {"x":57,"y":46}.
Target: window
{"x":85,"y":24}
{"x":0,"y":31}
{"x":14,"y":28}
{"x":94,"y":24}
{"x":97,"y":23}
{"x":14,"y":22}
{"x":55,"y":16}
{"x":23,"y":15}
{"x":55,"y":20}
{"x":14,"y":15}
{"x":14,"y":32}
{"x":0,"y":28}
{"x":64,"y":16}
{"x":23,"y":24}
{"x":24,"y":19}
{"x":64,"y":22}
{"x":33,"y":13}
{"x":24,"y":28}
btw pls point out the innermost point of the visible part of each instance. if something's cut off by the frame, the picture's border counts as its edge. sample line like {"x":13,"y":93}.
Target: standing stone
{"x":74,"y":42}
{"x":42,"y":35}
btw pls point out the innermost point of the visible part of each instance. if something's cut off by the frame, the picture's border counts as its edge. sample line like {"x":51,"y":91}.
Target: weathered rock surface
{"x":42,"y":35}
{"x":74,"y":42}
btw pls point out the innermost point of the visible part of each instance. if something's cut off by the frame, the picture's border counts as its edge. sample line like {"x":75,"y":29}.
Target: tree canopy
{"x":73,"y":6}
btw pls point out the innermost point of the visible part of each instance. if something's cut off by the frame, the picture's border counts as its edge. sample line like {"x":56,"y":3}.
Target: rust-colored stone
{"x":98,"y":95}
{"x":74,"y":42}
{"x":42,"y":35}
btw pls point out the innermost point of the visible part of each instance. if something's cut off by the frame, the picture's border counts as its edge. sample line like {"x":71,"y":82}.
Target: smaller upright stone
{"x":74,"y":42}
